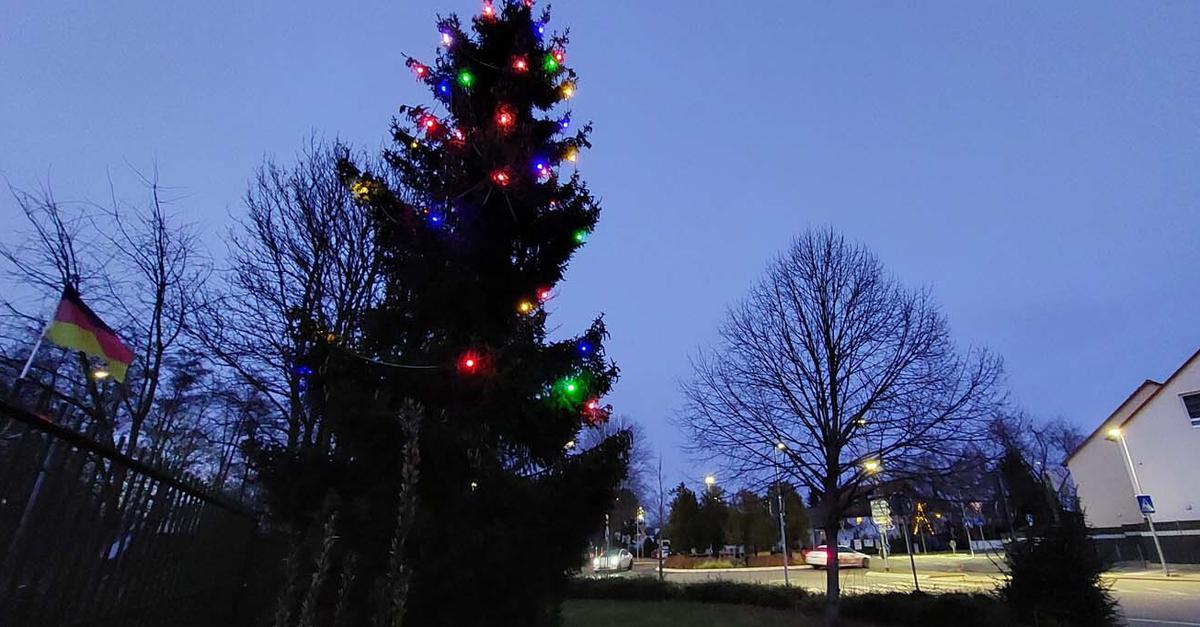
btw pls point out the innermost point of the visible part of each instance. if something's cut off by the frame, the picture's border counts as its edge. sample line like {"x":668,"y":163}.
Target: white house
{"x":1160,"y":424}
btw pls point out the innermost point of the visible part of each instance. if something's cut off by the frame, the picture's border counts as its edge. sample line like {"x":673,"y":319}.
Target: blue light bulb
{"x":564,"y":123}
{"x":443,"y":87}
{"x":584,"y":348}
{"x":539,"y":30}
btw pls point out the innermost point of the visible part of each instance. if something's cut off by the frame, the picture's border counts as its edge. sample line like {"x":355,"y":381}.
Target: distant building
{"x":1160,"y":423}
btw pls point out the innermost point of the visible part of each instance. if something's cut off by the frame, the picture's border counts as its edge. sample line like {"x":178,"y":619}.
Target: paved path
{"x":1147,"y":599}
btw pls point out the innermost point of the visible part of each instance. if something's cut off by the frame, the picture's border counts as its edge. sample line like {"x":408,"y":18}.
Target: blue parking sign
{"x":1145,"y":503}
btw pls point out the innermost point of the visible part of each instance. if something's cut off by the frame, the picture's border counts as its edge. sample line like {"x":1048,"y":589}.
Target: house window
{"x":1192,"y":403}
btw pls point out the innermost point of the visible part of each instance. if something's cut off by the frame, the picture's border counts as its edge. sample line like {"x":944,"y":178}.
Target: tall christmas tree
{"x":477,"y":217}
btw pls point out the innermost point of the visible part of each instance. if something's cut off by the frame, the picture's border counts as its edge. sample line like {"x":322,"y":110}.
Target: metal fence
{"x":91,"y":536}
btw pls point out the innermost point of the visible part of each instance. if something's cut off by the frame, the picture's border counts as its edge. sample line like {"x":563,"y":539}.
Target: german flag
{"x":76,"y":326}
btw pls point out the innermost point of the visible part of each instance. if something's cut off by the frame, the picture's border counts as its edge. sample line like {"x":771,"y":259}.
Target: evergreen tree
{"x":683,"y":523}
{"x":1055,"y":579}
{"x":714,"y":518}
{"x":477,"y":215}
{"x":751,"y":524}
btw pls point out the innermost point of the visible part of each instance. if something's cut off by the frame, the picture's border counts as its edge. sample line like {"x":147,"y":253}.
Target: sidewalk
{"x":1179,"y":572}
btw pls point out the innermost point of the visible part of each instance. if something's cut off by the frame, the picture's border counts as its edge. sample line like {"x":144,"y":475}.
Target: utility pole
{"x":783,"y":543}
{"x":662,"y":523}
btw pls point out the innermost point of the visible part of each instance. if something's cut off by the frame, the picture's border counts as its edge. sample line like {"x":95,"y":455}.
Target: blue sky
{"x":1034,"y":164}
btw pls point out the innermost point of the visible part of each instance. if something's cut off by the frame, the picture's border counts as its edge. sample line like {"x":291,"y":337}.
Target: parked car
{"x":847,"y":557}
{"x":615,"y":559}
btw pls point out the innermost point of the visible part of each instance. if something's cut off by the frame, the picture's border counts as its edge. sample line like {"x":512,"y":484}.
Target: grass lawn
{"x":588,"y":613}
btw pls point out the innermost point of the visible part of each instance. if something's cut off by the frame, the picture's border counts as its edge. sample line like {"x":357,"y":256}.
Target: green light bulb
{"x":550,"y":64}
{"x":581,"y":236}
{"x":466,"y":78}
{"x":571,"y":387}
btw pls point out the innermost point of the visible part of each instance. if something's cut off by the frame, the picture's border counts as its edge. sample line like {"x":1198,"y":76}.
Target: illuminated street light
{"x":100,"y":373}
{"x":780,"y":446}
{"x":872,"y":466}
{"x":1117,"y":436}
{"x":710,"y":480}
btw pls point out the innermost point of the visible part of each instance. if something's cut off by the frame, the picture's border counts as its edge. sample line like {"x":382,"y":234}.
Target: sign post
{"x":881,"y":514}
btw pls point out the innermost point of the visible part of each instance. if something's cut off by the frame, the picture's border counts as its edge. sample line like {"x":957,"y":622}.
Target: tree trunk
{"x":833,"y":591}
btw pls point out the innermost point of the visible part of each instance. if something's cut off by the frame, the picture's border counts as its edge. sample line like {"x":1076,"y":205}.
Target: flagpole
{"x":36,"y":346}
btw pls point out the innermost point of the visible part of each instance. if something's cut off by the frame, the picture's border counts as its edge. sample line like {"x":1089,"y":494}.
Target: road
{"x":1146,"y":600}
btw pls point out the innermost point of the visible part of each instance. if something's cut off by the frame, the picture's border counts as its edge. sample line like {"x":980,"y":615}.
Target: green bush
{"x":715,"y":564}
{"x":918,"y":609}
{"x":1054,"y":579}
{"x":759,"y":595}
{"x":901,"y":609}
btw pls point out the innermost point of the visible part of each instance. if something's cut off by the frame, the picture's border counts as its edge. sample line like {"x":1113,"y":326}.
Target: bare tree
{"x":303,"y":262}
{"x":140,"y":264}
{"x":843,"y":371}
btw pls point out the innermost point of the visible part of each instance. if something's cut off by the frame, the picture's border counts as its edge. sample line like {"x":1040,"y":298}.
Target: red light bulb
{"x":501,"y":177}
{"x":544,"y":294}
{"x":489,"y":11}
{"x":469,"y":363}
{"x":429,"y":123}
{"x":506,"y":117}
{"x":559,"y":55}
{"x":520,"y":64}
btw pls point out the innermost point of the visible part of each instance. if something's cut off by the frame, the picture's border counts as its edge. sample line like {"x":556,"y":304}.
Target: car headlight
{"x":595,"y":562}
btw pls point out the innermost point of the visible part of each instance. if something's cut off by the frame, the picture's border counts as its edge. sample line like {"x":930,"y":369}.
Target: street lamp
{"x":710,"y":481}
{"x":1116,"y":435}
{"x":783,"y":545}
{"x":640,"y":523}
{"x":872,"y":466}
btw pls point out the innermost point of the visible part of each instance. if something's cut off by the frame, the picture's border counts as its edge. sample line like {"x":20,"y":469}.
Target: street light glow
{"x":780,"y":446}
{"x":710,"y":480}
{"x":1114,"y":433}
{"x":871,"y":466}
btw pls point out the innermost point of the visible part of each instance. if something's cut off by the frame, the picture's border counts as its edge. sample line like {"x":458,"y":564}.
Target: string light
{"x":541,"y":168}
{"x":520,"y":64}
{"x":468,"y":363}
{"x":447,"y":37}
{"x":584,"y":348}
{"x":550,"y":64}
{"x":443,"y":87}
{"x":539,"y":30}
{"x":466,"y":78}
{"x":558,"y":55}
{"x":505,"y":117}
{"x":572,"y":154}
{"x":361,"y":190}
{"x":489,"y":11}
{"x":501,"y":177}
{"x":567,"y":90}
{"x":418,"y":68}
{"x":429,"y":123}
{"x":564,"y":123}
{"x":436,"y":218}
{"x":580,"y":236}
{"x":525,"y":307}
{"x":544,"y":294}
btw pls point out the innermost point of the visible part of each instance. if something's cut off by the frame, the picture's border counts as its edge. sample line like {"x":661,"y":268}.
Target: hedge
{"x":901,"y":609}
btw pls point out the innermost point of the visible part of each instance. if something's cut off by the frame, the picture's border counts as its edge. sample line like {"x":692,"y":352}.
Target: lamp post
{"x":638,"y":528}
{"x":710,"y":481}
{"x":1116,"y":435}
{"x":783,"y":544}
{"x":872,"y":467}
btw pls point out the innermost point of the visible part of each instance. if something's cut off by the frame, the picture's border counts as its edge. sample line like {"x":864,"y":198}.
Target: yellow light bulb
{"x":568,"y":89}
{"x":524,"y":306}
{"x":572,"y":155}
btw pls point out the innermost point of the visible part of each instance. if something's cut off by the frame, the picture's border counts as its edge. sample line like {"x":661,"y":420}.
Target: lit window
{"x":1192,"y":403}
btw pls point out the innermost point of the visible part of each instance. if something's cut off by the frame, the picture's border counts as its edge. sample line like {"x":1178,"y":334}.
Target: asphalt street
{"x":1147,"y":599}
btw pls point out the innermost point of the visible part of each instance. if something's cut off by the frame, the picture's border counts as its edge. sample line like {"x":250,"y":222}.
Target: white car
{"x":847,"y":557}
{"x":614,"y":559}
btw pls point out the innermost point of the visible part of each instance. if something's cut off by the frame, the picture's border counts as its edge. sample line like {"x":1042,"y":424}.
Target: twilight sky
{"x":1037,"y":165}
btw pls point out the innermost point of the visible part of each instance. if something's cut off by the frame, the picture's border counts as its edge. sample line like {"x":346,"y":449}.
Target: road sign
{"x":881,"y":513}
{"x":1145,"y":503}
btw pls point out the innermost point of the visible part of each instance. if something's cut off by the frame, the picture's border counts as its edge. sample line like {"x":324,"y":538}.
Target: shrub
{"x":734,"y":593}
{"x":622,"y":588}
{"x":1055,"y":580}
{"x":709,"y":564}
{"x":929,"y":610}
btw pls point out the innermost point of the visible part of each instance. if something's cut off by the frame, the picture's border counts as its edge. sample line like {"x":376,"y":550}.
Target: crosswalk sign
{"x":1145,"y":503}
